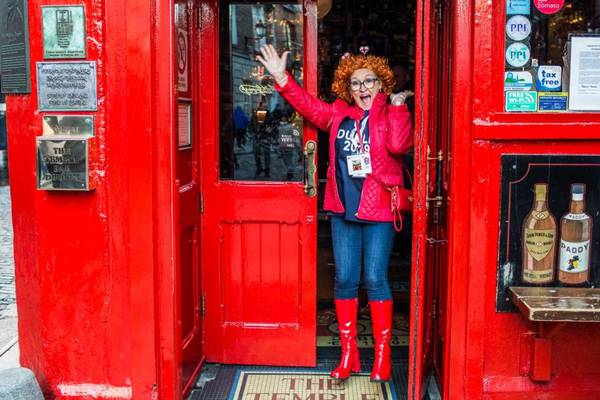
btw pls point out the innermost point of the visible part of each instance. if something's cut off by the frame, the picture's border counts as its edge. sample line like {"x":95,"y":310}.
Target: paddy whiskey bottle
{"x":575,"y":240}
{"x":539,"y":239}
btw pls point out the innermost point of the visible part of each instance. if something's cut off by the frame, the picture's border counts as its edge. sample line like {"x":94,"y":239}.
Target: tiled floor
{"x":216,"y":381}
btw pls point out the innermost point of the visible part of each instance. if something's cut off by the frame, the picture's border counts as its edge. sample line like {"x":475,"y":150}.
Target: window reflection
{"x":261,"y":135}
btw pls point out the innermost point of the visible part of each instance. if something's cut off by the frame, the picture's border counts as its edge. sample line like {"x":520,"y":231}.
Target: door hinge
{"x":202,"y":305}
{"x":199,"y":16}
{"x":201,"y":202}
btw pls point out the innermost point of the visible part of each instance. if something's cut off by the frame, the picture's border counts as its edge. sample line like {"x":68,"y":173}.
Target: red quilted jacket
{"x":390,"y":133}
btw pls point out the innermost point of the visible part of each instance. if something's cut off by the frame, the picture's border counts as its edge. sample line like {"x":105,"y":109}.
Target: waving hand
{"x":275,"y":64}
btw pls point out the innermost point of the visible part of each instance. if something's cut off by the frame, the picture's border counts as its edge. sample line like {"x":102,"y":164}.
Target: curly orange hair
{"x":351,"y":63}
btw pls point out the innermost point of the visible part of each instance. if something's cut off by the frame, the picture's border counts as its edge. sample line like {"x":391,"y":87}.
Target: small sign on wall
{"x":64,"y":31}
{"x":14,"y":47}
{"x":63,"y":163}
{"x":64,"y":86}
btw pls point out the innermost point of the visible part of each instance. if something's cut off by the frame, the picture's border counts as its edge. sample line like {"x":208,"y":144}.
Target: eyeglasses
{"x":369,"y":83}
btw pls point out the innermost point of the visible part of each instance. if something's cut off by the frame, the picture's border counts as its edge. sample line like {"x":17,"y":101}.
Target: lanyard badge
{"x":359,"y":165}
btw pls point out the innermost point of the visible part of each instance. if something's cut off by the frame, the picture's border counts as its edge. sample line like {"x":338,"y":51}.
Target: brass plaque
{"x":68,"y":125}
{"x":63,"y":163}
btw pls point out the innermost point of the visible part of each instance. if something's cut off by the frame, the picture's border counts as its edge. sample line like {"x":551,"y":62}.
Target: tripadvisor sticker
{"x":520,"y":101}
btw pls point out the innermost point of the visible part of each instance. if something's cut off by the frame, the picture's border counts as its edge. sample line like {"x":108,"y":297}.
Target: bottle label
{"x":540,"y":215}
{"x":539,"y":242}
{"x":574,"y":256}
{"x":576,"y":217}
{"x":533,"y":276}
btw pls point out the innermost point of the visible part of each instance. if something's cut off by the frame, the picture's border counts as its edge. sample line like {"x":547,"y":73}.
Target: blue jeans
{"x":367,"y":245}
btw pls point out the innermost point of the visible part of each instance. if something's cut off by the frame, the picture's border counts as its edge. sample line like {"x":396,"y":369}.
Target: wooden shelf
{"x":557,"y":304}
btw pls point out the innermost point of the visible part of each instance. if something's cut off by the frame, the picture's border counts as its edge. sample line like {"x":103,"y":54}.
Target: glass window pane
{"x":540,"y":63}
{"x":260,"y":134}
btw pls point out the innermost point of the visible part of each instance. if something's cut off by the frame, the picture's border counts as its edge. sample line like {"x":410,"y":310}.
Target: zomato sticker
{"x":549,"y":6}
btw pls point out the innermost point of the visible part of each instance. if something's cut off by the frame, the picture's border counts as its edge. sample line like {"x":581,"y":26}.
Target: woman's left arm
{"x":400,"y":135}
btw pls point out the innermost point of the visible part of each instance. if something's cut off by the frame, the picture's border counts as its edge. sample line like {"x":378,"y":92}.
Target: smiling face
{"x":364,"y":86}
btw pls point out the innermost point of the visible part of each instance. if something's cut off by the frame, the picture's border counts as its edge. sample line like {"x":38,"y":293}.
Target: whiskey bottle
{"x":575,"y":240}
{"x":539,"y":240}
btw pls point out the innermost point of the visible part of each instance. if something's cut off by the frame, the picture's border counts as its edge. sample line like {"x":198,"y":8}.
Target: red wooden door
{"x":188,"y":298}
{"x":259,"y":223}
{"x":427,"y":232}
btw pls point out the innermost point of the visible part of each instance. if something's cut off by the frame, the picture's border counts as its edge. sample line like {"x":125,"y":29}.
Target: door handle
{"x":310,"y":168}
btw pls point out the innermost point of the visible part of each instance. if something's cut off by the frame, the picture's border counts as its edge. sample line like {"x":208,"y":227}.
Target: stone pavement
{"x":9,"y":356}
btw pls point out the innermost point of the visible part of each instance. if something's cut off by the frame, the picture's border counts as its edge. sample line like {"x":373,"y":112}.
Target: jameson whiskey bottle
{"x":575,"y":240}
{"x":539,"y":239}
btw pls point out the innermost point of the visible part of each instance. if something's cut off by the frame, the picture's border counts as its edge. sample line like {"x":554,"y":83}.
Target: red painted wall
{"x":483,"y":347}
{"x":91,"y":267}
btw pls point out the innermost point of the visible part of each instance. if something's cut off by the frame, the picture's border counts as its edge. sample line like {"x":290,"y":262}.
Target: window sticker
{"x":518,"y":80}
{"x":518,"y":7}
{"x":518,"y":27}
{"x":553,"y":101}
{"x":517,"y":54}
{"x":520,"y":101}
{"x":549,"y":78}
{"x":549,"y":6}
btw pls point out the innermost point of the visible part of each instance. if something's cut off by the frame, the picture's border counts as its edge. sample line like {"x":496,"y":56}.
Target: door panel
{"x":424,"y":239}
{"x":189,"y":328}
{"x":259,"y":277}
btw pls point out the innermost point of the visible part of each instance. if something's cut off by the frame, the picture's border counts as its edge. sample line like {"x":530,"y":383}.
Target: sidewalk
{"x":9,"y":347}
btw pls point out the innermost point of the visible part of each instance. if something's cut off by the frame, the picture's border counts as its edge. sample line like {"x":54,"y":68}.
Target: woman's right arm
{"x":313,"y":109}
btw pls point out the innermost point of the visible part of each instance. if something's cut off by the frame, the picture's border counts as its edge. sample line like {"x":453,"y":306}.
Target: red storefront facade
{"x":122,"y":291}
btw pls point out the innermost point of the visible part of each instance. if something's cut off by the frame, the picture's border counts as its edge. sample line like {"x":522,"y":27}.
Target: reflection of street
{"x":246,"y":163}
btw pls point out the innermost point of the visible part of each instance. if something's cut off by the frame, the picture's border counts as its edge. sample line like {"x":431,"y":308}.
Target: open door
{"x":259,"y":189}
{"x":188,"y":299}
{"x":429,"y":229}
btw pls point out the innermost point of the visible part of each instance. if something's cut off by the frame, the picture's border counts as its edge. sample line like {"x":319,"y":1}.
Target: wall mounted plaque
{"x":64,"y":31}
{"x":184,"y":125}
{"x":64,"y":86}
{"x":63,"y":163}
{"x":14,"y":47}
{"x":67,"y":125}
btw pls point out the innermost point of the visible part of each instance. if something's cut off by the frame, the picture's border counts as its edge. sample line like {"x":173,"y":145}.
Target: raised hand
{"x":275,"y":64}
{"x":400,"y":98}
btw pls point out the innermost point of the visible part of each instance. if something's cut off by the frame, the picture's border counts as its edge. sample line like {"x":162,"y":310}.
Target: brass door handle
{"x":310,"y":168}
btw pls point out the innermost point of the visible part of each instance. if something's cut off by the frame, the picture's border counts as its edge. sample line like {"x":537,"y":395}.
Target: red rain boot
{"x":346,"y":310}
{"x":381,"y":315}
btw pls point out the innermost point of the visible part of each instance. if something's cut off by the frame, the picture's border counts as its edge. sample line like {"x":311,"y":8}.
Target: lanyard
{"x":360,"y":140}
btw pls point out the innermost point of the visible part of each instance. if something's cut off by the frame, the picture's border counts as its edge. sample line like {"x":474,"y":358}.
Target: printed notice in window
{"x":584,"y":89}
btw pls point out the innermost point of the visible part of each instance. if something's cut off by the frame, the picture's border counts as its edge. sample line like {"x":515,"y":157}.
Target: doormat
{"x":328,"y":334}
{"x":307,"y":385}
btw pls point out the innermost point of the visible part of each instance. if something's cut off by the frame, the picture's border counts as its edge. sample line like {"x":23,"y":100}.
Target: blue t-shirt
{"x":347,"y":143}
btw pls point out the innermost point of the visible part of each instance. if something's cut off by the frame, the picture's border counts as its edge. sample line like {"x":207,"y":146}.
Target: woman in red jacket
{"x":367,"y":139}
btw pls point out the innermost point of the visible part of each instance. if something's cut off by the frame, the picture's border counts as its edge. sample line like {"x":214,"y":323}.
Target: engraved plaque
{"x":64,"y":86}
{"x":68,"y":125}
{"x":64,"y":31}
{"x":62,"y":163}
{"x":14,"y":47}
